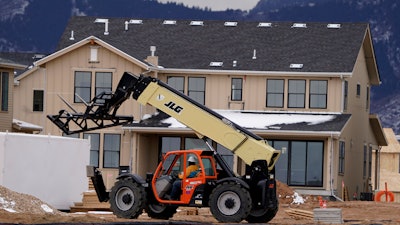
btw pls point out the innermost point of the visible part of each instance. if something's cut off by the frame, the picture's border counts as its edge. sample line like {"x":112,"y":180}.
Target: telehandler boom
{"x":231,"y":198}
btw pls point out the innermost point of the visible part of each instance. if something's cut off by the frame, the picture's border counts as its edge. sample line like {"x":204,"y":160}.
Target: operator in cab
{"x":191,"y":171}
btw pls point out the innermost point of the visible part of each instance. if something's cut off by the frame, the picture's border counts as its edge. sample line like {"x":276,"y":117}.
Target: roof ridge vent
{"x":196,"y":23}
{"x":216,"y":64}
{"x":169,"y":22}
{"x":264,"y":24}
{"x":72,"y":36}
{"x":296,"y":66}
{"x":333,"y":26}
{"x":136,"y":21}
{"x":230,"y":24}
{"x":105,"y":21}
{"x":299,"y":25}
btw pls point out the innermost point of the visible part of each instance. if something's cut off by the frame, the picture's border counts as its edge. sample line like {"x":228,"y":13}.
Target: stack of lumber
{"x":90,"y":202}
{"x":300,"y":214}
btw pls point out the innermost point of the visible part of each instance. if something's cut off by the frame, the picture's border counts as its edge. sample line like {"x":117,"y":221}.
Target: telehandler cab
{"x":231,"y":198}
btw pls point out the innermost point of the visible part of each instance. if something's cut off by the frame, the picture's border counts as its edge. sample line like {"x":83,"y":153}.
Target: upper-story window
{"x":38,"y":100}
{"x":345,"y":94}
{"x":318,"y":93}
{"x":367,"y":99}
{"x":177,"y":82}
{"x":296,"y":94}
{"x":84,"y":83}
{"x":4,"y":80}
{"x":358,"y":90}
{"x":275,"y":93}
{"x":236,"y":89}
{"x":196,"y":87}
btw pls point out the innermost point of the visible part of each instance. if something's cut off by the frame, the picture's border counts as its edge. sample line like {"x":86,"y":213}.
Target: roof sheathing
{"x":182,"y":46}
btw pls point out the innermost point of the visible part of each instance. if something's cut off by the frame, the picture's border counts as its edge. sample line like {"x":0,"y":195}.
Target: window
{"x":38,"y":100}
{"x":94,"y":147}
{"x":197,"y":88}
{"x":76,"y":135}
{"x":281,"y":168}
{"x":367,"y":99}
{"x":226,"y":154}
{"x":177,"y":82}
{"x":275,"y":90}
{"x":103,"y":82}
{"x":195,"y":143}
{"x":297,"y":92}
{"x":318,"y":93}
{"x":237,"y":89}
{"x":112,"y":144}
{"x":83,"y":82}
{"x":341,"y":156}
{"x":300,"y":163}
{"x":83,"y":85}
{"x":170,"y":144}
{"x":358,"y":90}
{"x":345,"y":94}
{"x":370,"y":161}
{"x":4,"y":90}
{"x":365,"y":162}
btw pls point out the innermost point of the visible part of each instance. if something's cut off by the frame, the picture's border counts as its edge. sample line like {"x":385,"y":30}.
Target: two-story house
{"x":7,"y":69}
{"x":305,"y":87}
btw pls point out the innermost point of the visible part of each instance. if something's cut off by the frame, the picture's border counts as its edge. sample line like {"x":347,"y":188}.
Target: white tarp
{"x":50,"y":168}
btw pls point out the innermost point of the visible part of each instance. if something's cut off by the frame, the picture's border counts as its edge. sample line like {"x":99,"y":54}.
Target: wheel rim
{"x":124,"y":198}
{"x":228,"y":203}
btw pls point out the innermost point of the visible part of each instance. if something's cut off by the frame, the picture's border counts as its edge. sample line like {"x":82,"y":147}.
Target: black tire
{"x":262,"y":215}
{"x":127,"y":199}
{"x":230,"y":202}
{"x":160,"y":211}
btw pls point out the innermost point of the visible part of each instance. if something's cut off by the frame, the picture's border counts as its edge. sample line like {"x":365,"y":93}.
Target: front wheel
{"x":230,"y":202}
{"x":127,"y":199}
{"x":262,"y":215}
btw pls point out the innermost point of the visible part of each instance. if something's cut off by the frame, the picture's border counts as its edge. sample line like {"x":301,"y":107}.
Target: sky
{"x":217,"y":5}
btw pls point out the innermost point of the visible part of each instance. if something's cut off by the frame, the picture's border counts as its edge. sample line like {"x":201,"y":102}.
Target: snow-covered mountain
{"x":36,"y":25}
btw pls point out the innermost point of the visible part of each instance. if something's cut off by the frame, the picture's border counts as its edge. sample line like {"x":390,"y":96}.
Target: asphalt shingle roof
{"x":182,"y":46}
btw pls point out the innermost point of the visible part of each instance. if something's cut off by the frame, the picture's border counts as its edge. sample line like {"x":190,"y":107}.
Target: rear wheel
{"x":230,"y":202}
{"x":127,"y":199}
{"x":261,"y":215}
{"x":160,"y":211}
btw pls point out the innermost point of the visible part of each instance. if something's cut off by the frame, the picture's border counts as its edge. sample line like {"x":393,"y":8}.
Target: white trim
{"x":85,"y":41}
{"x":250,"y":72}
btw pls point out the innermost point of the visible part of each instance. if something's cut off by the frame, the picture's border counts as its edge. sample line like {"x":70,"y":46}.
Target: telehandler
{"x":230,"y":197}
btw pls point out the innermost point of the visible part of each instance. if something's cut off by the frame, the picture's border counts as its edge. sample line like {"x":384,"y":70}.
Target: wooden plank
{"x":299,"y":213}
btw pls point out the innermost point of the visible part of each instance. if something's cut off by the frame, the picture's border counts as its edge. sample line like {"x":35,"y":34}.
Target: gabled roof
{"x":258,"y":122}
{"x":8,"y":63}
{"x":244,"y":46}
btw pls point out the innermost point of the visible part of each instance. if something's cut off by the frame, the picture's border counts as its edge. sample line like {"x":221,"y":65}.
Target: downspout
{"x":377,"y":167}
{"x":331,"y":172}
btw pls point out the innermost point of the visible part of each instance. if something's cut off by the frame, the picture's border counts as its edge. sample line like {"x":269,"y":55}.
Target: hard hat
{"x":191,"y":159}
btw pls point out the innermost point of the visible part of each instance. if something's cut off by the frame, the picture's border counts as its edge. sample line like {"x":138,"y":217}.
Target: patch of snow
{"x":10,"y":210}
{"x":297,"y":199}
{"x":263,"y":120}
{"x":46,"y":208}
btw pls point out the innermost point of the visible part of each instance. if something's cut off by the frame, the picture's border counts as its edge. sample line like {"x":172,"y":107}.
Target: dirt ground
{"x":17,"y":208}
